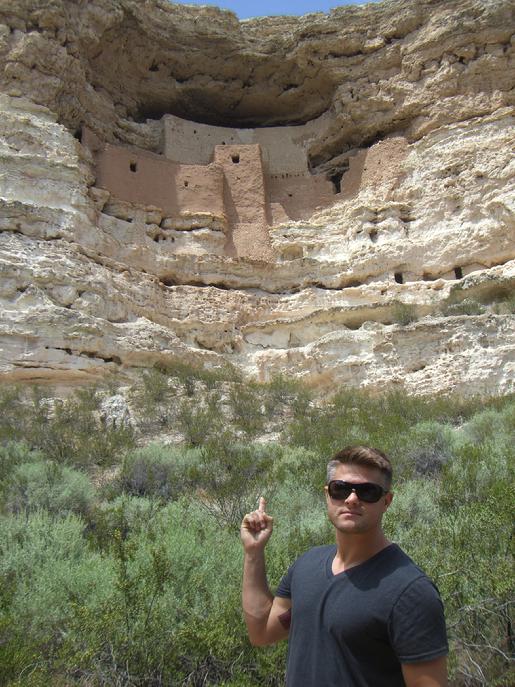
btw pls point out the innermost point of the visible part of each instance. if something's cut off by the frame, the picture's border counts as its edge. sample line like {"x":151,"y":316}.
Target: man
{"x":358,"y":614}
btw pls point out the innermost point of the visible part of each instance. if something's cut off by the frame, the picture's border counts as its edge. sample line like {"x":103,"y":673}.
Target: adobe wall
{"x":244,"y":190}
{"x":284,"y":148}
{"x":245,"y":201}
{"x":148,"y":179}
{"x":379,"y":165}
{"x":296,"y":197}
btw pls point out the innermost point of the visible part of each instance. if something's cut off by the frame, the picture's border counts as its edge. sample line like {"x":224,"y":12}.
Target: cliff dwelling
{"x":239,"y":181}
{"x":321,"y":197}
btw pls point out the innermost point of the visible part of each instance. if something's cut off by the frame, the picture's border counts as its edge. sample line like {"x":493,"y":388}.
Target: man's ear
{"x":388,"y":498}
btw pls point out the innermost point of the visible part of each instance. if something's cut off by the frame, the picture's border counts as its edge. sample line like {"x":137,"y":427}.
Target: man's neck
{"x":353,"y":549}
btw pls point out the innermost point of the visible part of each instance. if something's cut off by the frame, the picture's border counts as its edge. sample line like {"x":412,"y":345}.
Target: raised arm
{"x":267,"y":618}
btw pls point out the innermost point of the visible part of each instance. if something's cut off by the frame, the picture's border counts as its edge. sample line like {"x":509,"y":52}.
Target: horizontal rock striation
{"x":403,"y":278}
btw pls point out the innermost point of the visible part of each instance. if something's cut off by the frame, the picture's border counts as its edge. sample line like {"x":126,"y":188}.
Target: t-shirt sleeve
{"x":417,"y":623}
{"x":284,"y":587}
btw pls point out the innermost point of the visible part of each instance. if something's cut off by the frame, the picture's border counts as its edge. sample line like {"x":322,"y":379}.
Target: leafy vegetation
{"x":120,"y":562}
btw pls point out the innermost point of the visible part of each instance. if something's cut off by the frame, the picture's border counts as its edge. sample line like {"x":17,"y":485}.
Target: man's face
{"x":353,"y":516}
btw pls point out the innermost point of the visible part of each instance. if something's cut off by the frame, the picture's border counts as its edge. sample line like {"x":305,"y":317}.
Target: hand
{"x":256,"y":528}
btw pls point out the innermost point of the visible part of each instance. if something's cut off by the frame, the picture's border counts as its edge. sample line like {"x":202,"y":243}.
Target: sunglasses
{"x":365,"y":491}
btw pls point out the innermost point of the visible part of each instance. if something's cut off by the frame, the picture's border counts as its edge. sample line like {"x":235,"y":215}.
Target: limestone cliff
{"x":396,"y":195}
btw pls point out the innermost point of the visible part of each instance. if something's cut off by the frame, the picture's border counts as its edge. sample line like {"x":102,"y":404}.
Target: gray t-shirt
{"x":355,"y":629}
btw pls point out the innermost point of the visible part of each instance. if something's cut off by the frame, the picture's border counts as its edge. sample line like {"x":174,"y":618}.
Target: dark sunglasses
{"x":365,"y":491}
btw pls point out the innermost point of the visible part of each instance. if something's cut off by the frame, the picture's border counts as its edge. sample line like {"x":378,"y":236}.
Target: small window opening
{"x":336,"y":180}
{"x":399,"y":278}
{"x":186,"y":184}
{"x":154,"y":67}
{"x":223,"y":143}
{"x":458,"y":273}
{"x":290,"y":195}
{"x":133,"y":166}
{"x":235,"y":159}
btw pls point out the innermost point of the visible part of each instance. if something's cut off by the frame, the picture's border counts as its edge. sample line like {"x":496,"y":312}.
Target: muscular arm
{"x":426,"y":673}
{"x":264,"y":614}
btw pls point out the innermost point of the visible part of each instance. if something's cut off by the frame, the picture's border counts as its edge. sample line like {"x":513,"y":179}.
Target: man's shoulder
{"x":316,"y":556}
{"x":398,"y":560}
{"x":402,"y":573}
{"x":318,"y":552}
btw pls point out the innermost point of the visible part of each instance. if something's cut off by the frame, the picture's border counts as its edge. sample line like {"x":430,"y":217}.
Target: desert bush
{"x":300,"y":466}
{"x":144,"y":589}
{"x":230,"y":475}
{"x":282,"y":393}
{"x":13,"y":454}
{"x":491,"y":423}
{"x":426,"y":447}
{"x":154,"y":398}
{"x":459,"y":528}
{"x":158,"y":471}
{"x":404,"y":313}
{"x":13,"y":415}
{"x":69,"y":430}
{"x":467,"y":306}
{"x":201,"y":419}
{"x":46,"y":571}
{"x":247,"y":409}
{"x":46,"y":485}
{"x":505,"y":305}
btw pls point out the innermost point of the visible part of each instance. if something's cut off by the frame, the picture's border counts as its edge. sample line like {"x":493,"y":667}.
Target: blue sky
{"x":259,"y":8}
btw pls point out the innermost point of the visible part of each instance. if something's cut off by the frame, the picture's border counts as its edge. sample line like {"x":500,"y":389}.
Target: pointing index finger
{"x":262,"y":505}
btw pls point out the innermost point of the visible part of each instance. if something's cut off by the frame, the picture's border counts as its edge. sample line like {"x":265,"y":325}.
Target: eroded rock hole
{"x":399,"y":278}
{"x":235,"y":159}
{"x":458,"y":273}
{"x":133,"y":166}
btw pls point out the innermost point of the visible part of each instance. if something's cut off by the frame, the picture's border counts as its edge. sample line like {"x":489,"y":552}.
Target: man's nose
{"x":352,"y":497}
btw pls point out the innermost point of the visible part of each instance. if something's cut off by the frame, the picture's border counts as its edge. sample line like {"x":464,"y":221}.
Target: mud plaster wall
{"x":244,"y":190}
{"x":298,"y":196}
{"x":140,"y":177}
{"x":245,"y":201}
{"x":379,"y":166}
{"x":283,"y":148}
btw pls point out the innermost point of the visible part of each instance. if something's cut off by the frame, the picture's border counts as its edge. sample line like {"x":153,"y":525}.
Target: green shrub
{"x":144,"y":589}
{"x":153,"y":396}
{"x":468,"y":306}
{"x":404,"y":313}
{"x":505,"y":305}
{"x":231,"y":475}
{"x":247,"y":409}
{"x":158,"y":471}
{"x":200,"y":419}
{"x":491,"y":423}
{"x":426,"y":447}
{"x":46,"y":485}
{"x":72,"y":431}
{"x":13,"y":415}
{"x":46,"y":573}
{"x":13,"y":454}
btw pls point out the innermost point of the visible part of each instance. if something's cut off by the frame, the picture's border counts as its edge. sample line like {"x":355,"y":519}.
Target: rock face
{"x":126,"y":240}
